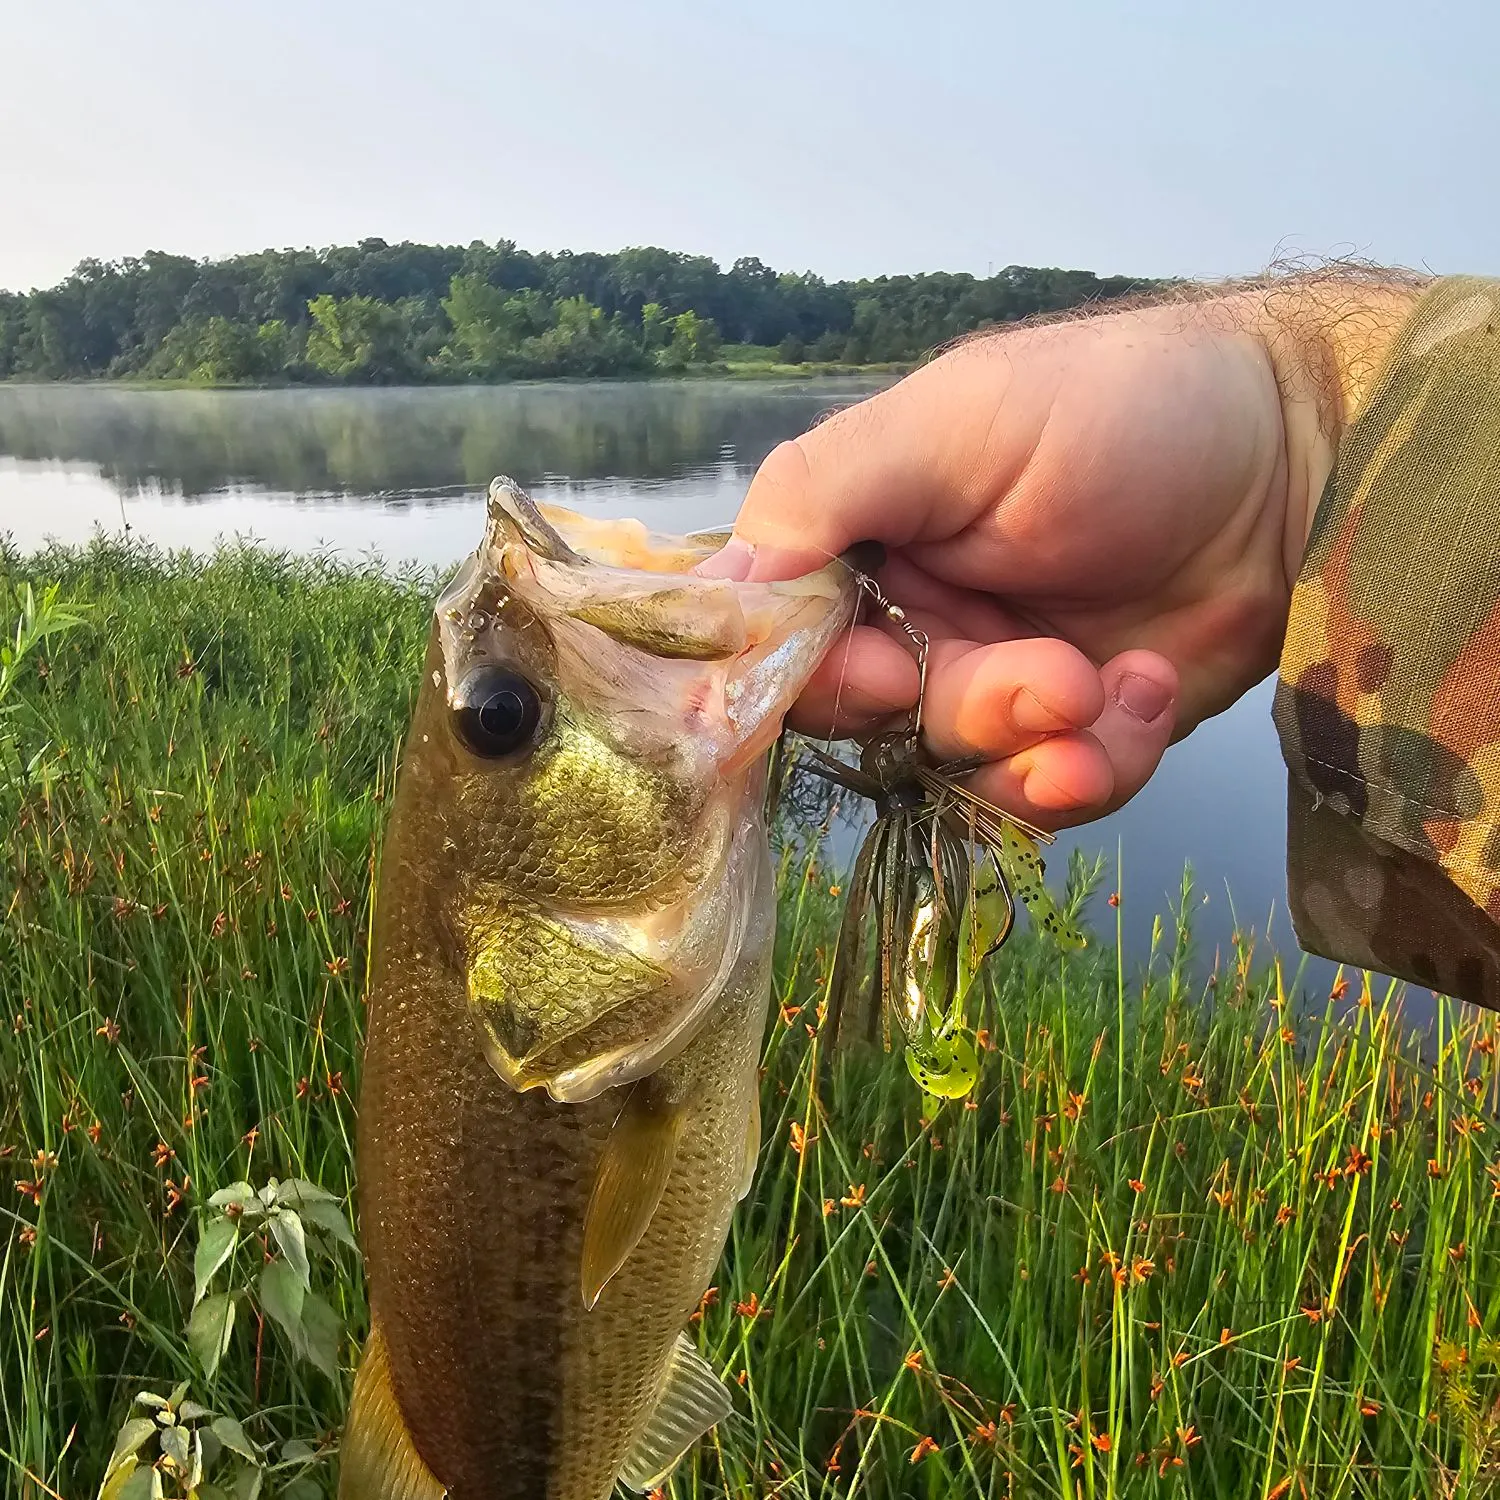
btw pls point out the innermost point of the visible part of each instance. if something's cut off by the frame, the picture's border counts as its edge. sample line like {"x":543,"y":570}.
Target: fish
{"x":570,"y":979}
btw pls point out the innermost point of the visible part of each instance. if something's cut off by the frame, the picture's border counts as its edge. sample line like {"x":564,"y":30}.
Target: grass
{"x":1192,"y":1237}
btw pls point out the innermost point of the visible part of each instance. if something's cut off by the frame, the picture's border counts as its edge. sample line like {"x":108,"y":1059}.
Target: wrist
{"x":1327,"y":340}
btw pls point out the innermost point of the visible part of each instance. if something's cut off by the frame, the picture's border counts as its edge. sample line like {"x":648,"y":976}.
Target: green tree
{"x":695,"y":341}
{"x":359,"y":339}
{"x":489,"y":323}
{"x":216,"y":351}
{"x":583,"y":341}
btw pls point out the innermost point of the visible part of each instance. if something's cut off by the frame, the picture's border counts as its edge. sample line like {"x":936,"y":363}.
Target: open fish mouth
{"x":596,"y":581}
{"x":674,"y":684}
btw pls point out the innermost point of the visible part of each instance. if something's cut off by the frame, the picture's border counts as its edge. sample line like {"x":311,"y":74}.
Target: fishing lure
{"x":941,"y":869}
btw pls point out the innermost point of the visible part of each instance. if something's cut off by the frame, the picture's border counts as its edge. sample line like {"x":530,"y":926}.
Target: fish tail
{"x":379,"y":1460}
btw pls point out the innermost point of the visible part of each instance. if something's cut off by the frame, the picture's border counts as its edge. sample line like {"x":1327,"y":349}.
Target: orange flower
{"x":923,"y":1448}
{"x":856,"y":1196}
{"x":1136,"y":1185}
{"x":1102,"y":1441}
{"x":799,"y":1138}
{"x":913,"y":1361}
{"x":984,"y":1433}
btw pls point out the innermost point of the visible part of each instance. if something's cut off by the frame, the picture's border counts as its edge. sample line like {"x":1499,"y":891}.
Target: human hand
{"x":1098,"y":523}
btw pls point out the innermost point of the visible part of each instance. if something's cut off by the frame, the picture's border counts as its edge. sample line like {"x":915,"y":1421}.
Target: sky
{"x":861,"y":138}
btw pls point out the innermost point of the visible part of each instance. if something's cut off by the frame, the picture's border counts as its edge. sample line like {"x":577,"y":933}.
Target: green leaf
{"x":151,"y":1399}
{"x":143,"y":1484}
{"x":328,"y":1218}
{"x":303,"y":1489}
{"x":215,"y":1246}
{"x":247,"y":1484}
{"x":298,"y":1191}
{"x":232,"y":1435}
{"x":195,"y":1469}
{"x":178,"y":1392}
{"x":320,"y":1332}
{"x":129,"y":1440}
{"x":213,"y":1446}
{"x":116,"y":1480}
{"x":239,"y":1193}
{"x":286,"y":1227}
{"x":294,"y":1450}
{"x":281,"y":1294}
{"x":190,"y":1411}
{"x":174,"y":1443}
{"x":210,"y":1492}
{"x":209,"y":1329}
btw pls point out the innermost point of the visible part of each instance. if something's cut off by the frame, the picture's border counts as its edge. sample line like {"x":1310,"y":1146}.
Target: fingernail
{"x":731,"y":561}
{"x":1142,"y":698}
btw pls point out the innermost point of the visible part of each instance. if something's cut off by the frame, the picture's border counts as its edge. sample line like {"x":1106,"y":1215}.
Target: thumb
{"x":886,"y":470}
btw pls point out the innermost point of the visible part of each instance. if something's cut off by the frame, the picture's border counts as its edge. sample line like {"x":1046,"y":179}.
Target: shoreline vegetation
{"x":1196,"y":1233}
{"x":381,"y":314}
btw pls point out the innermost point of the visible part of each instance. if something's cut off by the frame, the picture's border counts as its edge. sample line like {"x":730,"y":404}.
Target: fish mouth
{"x":684,"y":675}
{"x":741,"y":651}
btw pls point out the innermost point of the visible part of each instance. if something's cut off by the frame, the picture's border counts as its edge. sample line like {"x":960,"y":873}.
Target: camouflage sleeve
{"x":1388,"y":705}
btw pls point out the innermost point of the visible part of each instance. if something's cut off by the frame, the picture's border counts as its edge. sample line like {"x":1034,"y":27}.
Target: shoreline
{"x":747,"y":370}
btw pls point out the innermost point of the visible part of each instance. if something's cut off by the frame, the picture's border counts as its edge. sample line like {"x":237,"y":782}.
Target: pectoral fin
{"x":378,"y":1459}
{"x":632,"y":1173}
{"x":692,"y":1400}
{"x":752,"y":1144}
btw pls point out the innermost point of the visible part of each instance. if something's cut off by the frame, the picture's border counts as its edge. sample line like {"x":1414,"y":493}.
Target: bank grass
{"x":1196,"y":1233}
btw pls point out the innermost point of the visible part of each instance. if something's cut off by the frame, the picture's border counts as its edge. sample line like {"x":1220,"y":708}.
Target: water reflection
{"x":402,"y":473}
{"x":356,"y":443}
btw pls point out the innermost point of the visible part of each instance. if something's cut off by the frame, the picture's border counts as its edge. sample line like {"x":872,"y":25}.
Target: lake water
{"x":402,"y":473}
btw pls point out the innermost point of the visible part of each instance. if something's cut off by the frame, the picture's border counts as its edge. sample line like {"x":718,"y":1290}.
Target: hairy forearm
{"x":1326,"y":337}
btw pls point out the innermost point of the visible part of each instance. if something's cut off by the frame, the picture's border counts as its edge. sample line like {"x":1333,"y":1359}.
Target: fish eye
{"x":496,"y":711}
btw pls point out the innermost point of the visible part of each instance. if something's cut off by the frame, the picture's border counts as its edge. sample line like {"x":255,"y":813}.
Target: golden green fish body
{"x":558,"y":1108}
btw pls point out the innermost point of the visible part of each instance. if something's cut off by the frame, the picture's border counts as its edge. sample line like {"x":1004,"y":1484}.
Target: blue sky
{"x":847,"y":138}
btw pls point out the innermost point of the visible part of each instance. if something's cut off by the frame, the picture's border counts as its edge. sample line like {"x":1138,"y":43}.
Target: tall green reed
{"x":1190,"y":1236}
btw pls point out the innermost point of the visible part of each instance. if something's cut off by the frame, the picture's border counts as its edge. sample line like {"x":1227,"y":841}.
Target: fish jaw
{"x":667,"y":688}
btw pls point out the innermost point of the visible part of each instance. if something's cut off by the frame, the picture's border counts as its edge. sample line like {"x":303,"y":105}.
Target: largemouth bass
{"x":571,"y":971}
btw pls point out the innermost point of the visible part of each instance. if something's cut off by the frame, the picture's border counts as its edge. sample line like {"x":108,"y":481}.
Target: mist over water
{"x":402,"y":473}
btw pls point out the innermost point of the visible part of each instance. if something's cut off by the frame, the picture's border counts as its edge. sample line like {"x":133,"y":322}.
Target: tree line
{"x":376,"y":313}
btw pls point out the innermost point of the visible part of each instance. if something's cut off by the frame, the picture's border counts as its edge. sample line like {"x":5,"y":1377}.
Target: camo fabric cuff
{"x":1388,"y":705}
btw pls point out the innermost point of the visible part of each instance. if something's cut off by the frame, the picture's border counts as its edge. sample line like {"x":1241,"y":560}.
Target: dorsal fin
{"x":632,"y":1173}
{"x":377,"y":1458}
{"x":692,"y":1400}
